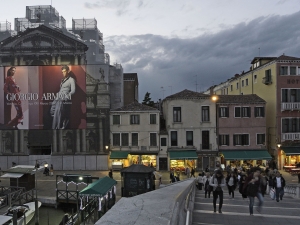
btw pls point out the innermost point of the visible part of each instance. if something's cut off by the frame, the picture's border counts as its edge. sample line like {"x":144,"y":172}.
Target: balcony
{"x":290,"y":136}
{"x":290,"y":106}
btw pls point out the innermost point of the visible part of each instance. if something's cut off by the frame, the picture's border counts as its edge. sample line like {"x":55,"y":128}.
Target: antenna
{"x":196,"y":82}
{"x":163,"y":91}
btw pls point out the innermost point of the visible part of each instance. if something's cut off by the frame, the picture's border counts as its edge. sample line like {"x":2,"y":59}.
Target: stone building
{"x":41,"y":38}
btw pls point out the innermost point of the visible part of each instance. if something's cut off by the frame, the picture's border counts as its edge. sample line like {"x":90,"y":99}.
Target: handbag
{"x":272,"y":193}
{"x":218,"y":189}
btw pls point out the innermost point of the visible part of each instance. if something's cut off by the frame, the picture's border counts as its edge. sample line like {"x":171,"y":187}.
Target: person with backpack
{"x":207,"y":187}
{"x":217,"y":182}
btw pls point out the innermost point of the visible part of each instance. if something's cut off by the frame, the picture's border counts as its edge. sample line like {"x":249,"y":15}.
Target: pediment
{"x":42,"y":37}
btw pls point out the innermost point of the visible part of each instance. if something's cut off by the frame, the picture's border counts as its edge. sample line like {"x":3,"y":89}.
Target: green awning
{"x":183,"y":154}
{"x":291,"y":150}
{"x":98,"y":188}
{"x":246,"y":154}
{"x":119,"y":155}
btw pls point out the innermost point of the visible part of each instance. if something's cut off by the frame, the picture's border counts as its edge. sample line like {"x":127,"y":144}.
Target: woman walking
{"x":207,"y":187}
{"x":217,"y":182}
{"x":231,"y":182}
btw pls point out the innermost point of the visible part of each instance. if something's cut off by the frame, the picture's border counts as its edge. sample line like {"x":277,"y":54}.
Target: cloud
{"x":197,"y":63}
{"x":119,"y":6}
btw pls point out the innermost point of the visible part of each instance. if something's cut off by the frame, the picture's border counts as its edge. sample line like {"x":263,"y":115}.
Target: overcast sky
{"x":182,"y":44}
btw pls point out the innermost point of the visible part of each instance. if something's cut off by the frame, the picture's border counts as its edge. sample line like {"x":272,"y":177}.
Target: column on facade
{"x":58,"y":60}
{"x":15,"y":61}
{"x":15,"y":149}
{"x":53,"y":60}
{"x":60,"y":141}
{"x":101,"y":134}
{"x":54,"y":141}
{"x":75,"y":59}
{"x":77,"y":147}
{"x":22,"y":61}
{"x":21,"y":137}
{"x":83,"y":140}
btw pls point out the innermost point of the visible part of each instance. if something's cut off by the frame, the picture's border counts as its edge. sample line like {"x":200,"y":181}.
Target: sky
{"x":182,"y":44}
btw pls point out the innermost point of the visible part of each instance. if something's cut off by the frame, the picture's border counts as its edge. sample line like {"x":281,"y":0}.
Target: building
{"x":276,"y":80}
{"x":131,"y":88}
{"x":190,"y":119}
{"x":42,"y":39}
{"x":134,"y":136}
{"x":239,"y":142}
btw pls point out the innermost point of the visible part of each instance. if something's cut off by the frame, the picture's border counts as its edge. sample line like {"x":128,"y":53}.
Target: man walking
{"x":279,"y":184}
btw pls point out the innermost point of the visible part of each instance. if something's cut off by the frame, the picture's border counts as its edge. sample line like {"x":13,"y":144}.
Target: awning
{"x":187,"y":154}
{"x":246,"y":154}
{"x":98,"y":188}
{"x":119,"y":155}
{"x":4,"y":219}
{"x":13,"y":175}
{"x":291,"y":150}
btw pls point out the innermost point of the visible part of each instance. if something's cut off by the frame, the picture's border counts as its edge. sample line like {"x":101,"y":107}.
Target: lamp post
{"x":214,"y":98}
{"x":37,"y":168}
{"x":279,"y":156}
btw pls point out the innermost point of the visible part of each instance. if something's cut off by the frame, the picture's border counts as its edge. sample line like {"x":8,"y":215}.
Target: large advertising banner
{"x":43,"y":97}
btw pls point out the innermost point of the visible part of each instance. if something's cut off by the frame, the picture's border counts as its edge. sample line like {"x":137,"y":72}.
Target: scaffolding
{"x":5,"y":26}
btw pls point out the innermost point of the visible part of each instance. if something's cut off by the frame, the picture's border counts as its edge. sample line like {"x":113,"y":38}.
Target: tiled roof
{"x":187,"y":94}
{"x":249,"y":99}
{"x":135,"y":106}
{"x":285,"y":57}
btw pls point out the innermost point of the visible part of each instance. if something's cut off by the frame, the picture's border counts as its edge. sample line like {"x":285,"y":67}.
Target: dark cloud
{"x":176,"y":64}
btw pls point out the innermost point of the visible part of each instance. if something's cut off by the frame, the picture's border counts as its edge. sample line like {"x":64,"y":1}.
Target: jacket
{"x":214,"y":182}
{"x":275,"y":182}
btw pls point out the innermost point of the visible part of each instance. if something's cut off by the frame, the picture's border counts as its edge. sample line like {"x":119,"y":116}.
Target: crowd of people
{"x":250,"y":184}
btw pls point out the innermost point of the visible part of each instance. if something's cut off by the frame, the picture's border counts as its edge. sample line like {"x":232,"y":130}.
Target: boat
{"x":24,"y":213}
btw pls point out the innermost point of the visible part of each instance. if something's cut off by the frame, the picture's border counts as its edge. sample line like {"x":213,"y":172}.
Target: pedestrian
{"x":207,"y":187}
{"x":279,"y":184}
{"x":193,"y":172}
{"x":207,"y":169}
{"x":188,"y":172}
{"x":231,"y":182}
{"x":200,"y":181}
{"x":242,"y":182}
{"x":217,"y":182}
{"x":171,"y":176}
{"x":253,"y":187}
{"x":51,"y":170}
{"x":110,"y":173}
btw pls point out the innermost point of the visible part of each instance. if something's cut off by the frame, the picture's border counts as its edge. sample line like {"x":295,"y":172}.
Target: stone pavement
{"x":236,"y":211}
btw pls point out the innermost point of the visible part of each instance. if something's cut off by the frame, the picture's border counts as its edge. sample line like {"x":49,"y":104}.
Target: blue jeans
{"x":279,"y":193}
{"x":260,"y":202}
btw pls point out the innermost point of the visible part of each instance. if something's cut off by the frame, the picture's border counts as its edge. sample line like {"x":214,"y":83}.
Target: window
{"x":134,"y":119}
{"x":291,"y":125}
{"x":247,"y":82}
{"x":240,"y":139}
{"x":205,"y":113}
{"x":116,"y":139}
{"x":237,"y":85}
{"x":163,"y":141}
{"x":223,"y":112}
{"x":255,"y":78}
{"x":152,"y":118}
{"x":260,"y":139}
{"x":237,"y":112}
{"x":290,"y":95}
{"x":293,"y":70}
{"x":116,"y":119}
{"x":231,"y":87}
{"x":243,"y":83}
{"x":224,"y":139}
{"x":283,"y":70}
{"x":177,"y":114}
{"x":173,"y":138}
{"x":134,"y":139}
{"x":259,"y":111}
{"x":153,"y":140}
{"x":125,"y":137}
{"x":205,"y":139}
{"x":189,"y":138}
{"x":242,"y":112}
{"x":246,"y":112}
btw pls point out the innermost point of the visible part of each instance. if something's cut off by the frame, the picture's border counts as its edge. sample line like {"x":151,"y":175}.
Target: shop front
{"x":119,"y":159}
{"x":180,"y":160}
{"x":143,"y":158}
{"x":290,"y":157}
{"x":244,"y":159}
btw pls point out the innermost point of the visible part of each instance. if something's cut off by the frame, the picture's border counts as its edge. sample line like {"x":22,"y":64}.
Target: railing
{"x":189,"y":204}
{"x":25,"y":197}
{"x":12,"y":194}
{"x":292,"y":190}
{"x":290,"y":136}
{"x":290,"y":106}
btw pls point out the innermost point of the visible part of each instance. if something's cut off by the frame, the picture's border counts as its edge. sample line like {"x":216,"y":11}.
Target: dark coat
{"x":275,"y":182}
